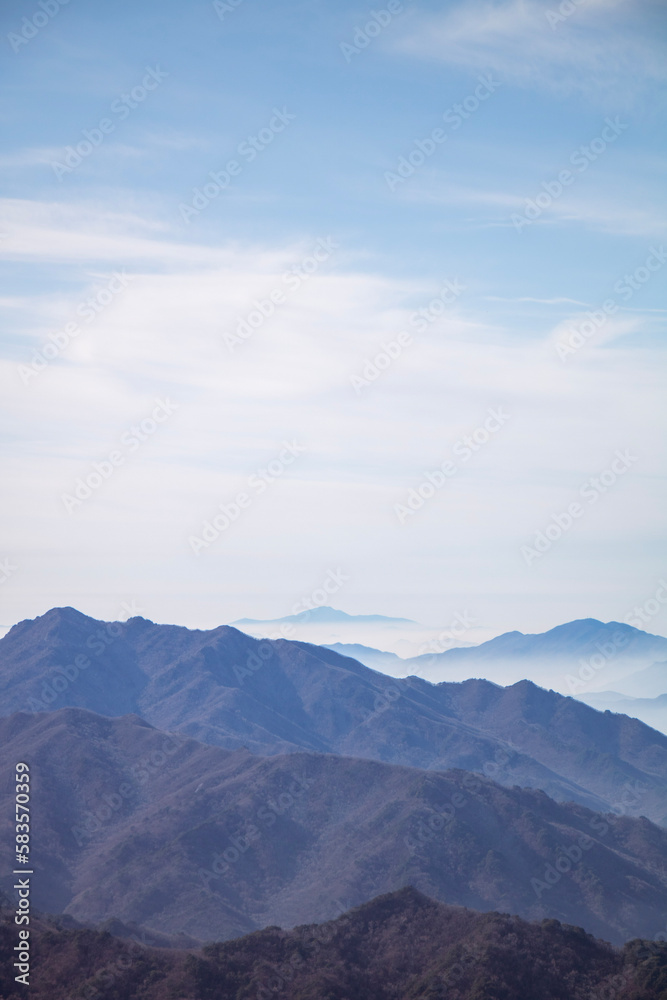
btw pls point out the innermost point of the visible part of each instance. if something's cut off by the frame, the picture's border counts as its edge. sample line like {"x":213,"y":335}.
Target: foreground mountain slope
{"x":169,"y":833}
{"x":402,"y":945}
{"x":225,"y":688}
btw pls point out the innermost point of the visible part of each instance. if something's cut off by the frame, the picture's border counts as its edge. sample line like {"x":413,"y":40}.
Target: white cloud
{"x":162,"y":336}
{"x":605,"y":330}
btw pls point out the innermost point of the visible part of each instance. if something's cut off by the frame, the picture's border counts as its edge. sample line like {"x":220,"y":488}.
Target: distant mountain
{"x":328,"y":615}
{"x":400,"y":945}
{"x":135,"y":825}
{"x":651,"y":682}
{"x":569,"y":658}
{"x":572,"y":658}
{"x":324,"y":625}
{"x":652,"y":711}
{"x":603,"y":700}
{"x":387,"y":663}
{"x":642,"y":695}
{"x":228,"y":689}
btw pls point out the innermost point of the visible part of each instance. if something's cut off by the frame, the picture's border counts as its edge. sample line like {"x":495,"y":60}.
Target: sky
{"x":318,"y":297}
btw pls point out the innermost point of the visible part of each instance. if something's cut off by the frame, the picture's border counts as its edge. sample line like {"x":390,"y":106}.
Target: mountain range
{"x":400,"y":945}
{"x":197,"y":784}
{"x":323,"y":625}
{"x":651,"y":682}
{"x":167,"y":833}
{"x":376,"y":659}
{"x":570,"y":658}
{"x":579,"y":656}
{"x":225,"y":688}
{"x":642,"y":695}
{"x":652,"y":711}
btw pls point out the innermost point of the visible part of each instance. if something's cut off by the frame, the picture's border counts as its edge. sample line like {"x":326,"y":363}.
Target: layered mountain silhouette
{"x":578,"y":656}
{"x":642,"y":695}
{"x":164,"y":832}
{"x":652,"y":711}
{"x":323,"y":625}
{"x":588,"y":652}
{"x":387,"y":663}
{"x":651,"y":682}
{"x":398,"y":945}
{"x":225,"y":688}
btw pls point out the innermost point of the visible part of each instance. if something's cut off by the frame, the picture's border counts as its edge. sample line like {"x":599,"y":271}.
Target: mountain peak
{"x":65,"y":614}
{"x":323,"y":614}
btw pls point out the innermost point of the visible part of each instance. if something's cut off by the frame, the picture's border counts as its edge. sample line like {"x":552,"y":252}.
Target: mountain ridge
{"x":274,"y":696}
{"x":399,"y":944}
{"x":156,"y":829}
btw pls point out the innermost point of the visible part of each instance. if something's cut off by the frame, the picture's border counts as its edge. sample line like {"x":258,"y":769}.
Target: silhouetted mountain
{"x":323,"y":613}
{"x":652,"y":711}
{"x":651,"y":682}
{"x":376,"y":659}
{"x":401,"y":946}
{"x":574,"y":639}
{"x":162,"y":831}
{"x":225,"y":688}
{"x":324,"y":625}
{"x":568,"y":657}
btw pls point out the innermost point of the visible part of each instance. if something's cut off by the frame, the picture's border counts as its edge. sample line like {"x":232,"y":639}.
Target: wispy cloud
{"x":601,"y":50}
{"x":68,"y":232}
{"x":528,"y":298}
{"x":29,"y":157}
{"x":164,"y":336}
{"x":598,"y":209}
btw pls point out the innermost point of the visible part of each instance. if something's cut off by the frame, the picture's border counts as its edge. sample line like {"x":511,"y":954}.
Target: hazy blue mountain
{"x":651,"y":682}
{"x":325,"y":614}
{"x":228,"y":689}
{"x":160,"y":830}
{"x":652,"y":711}
{"x":603,"y":700}
{"x":569,"y":658}
{"x":376,"y":659}
{"x":324,"y":625}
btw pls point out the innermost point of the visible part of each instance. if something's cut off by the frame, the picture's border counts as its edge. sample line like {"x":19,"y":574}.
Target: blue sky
{"x":556,"y":318}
